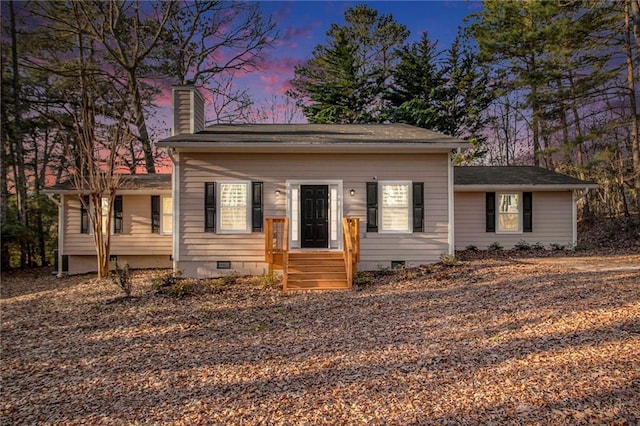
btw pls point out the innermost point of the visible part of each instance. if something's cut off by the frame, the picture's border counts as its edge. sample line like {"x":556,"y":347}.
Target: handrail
{"x":276,"y":245}
{"x":351,"y":237}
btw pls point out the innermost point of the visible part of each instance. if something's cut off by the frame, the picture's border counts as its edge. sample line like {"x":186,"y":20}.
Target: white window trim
{"x":520,"y":213}
{"x":381,"y":229}
{"x":219,"y":186}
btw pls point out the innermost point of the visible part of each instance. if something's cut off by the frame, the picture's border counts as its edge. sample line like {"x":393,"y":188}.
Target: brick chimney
{"x":188,"y":110}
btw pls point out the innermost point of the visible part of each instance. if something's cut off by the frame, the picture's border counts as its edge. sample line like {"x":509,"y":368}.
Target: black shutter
{"x":372,"y":206}
{"x":527,"y":212}
{"x":84,"y":215}
{"x":117,"y":214}
{"x":491,"y":212}
{"x":209,"y":207}
{"x":155,"y":214}
{"x":418,"y":206}
{"x":256,"y":206}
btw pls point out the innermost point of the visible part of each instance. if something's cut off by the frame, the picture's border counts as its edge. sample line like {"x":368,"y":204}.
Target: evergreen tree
{"x":417,"y":91}
{"x":447,"y":91}
{"x":345,"y":79}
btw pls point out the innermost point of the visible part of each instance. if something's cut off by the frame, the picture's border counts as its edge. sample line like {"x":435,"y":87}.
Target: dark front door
{"x":315,"y":216}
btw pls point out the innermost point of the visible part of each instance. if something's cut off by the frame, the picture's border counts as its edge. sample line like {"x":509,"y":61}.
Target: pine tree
{"x":345,"y":79}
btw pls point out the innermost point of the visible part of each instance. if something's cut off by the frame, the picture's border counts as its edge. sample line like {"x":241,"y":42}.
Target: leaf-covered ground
{"x":491,"y":341}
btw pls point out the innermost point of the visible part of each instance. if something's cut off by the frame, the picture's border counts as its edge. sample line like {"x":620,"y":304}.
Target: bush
{"x":363,"y":279}
{"x":121,"y":277}
{"x":495,"y":246}
{"x":449,"y":259}
{"x":538,"y":246}
{"x":556,"y":247}
{"x":471,"y":247}
{"x":270,"y":282}
{"x":171,"y":285}
{"x":522,"y":245}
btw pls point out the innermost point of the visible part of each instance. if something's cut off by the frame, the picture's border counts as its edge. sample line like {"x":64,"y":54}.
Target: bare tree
{"x":205,"y":38}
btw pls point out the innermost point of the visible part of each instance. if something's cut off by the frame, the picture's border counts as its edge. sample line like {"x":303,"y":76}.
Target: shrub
{"x":171,"y":285}
{"x":471,"y":247}
{"x":363,"y":279}
{"x":229,"y":279}
{"x":522,"y":245}
{"x":268,"y":282}
{"x":449,"y":259}
{"x":495,"y":246}
{"x":556,"y":247}
{"x":121,"y":277}
{"x":537,"y":246}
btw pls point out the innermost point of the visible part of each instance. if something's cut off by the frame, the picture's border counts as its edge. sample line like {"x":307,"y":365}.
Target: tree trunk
{"x":635,"y":143}
{"x":17,"y":142}
{"x":141,"y":124}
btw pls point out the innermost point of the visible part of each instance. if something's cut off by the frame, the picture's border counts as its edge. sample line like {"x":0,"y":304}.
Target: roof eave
{"x":141,"y":191}
{"x":522,"y":187}
{"x":363,"y":147}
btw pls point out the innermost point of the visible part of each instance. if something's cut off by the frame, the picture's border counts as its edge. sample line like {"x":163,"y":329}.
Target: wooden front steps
{"x":316,"y":270}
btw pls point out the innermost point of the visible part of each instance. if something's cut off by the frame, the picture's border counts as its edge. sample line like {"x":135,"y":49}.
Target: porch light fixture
{"x":352,"y":192}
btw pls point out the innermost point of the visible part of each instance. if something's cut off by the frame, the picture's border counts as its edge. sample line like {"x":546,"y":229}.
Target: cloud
{"x":272,"y":80}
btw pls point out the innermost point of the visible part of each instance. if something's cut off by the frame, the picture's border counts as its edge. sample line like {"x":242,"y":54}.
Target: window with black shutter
{"x":84,"y":215}
{"x":117,"y":214}
{"x":490,"y":212}
{"x":372,"y":206}
{"x":527,"y":212}
{"x":210,"y":207}
{"x":256,"y":206}
{"x":418,"y":206}
{"x":155,"y":214}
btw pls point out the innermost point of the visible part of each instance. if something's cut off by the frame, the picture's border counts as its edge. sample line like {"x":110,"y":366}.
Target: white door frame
{"x":335,"y":210}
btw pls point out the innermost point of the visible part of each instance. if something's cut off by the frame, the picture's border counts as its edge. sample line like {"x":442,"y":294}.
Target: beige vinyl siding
{"x":275,"y":169}
{"x":552,"y":221}
{"x":136,"y":237}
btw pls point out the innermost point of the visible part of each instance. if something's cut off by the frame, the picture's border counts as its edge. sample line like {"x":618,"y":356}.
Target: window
{"x":509,"y":213}
{"x":116,"y":218}
{"x":395,"y":211}
{"x":161,"y":214}
{"x":233,"y":207}
{"x":167,"y":215}
{"x":395,"y":206}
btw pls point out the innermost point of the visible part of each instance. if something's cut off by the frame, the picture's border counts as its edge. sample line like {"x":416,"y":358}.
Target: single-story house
{"x":319,"y":201}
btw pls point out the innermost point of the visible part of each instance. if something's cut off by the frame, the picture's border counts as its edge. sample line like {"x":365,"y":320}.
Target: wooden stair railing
{"x":276,"y":245}
{"x":351,"y":236}
{"x":312,"y":270}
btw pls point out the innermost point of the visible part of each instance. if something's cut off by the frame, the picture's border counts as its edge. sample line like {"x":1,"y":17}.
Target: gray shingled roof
{"x":301,"y":134}
{"x":514,"y":175}
{"x":157,"y":181}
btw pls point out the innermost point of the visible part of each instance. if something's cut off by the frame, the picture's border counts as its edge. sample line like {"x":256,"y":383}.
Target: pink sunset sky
{"x":302,"y":25}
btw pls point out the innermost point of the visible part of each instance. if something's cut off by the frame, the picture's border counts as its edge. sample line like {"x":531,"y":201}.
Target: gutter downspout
{"x":175,"y":218}
{"x":574,"y":215}
{"x":451,"y":200}
{"x":60,"y":205}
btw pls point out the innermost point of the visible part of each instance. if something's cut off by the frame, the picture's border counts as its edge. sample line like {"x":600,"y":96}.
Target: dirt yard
{"x":490,"y":341}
